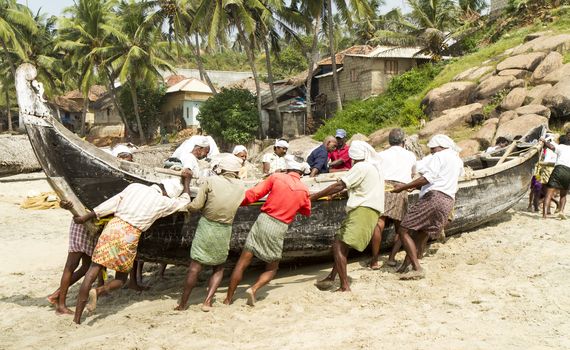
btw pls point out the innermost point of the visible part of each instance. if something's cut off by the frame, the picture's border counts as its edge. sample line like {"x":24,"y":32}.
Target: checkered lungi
{"x":395,"y":204}
{"x":430,"y":214}
{"x":79,"y":240}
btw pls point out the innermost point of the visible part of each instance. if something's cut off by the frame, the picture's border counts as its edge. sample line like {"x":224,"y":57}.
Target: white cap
{"x":173,"y":187}
{"x":292,"y":163}
{"x":229,"y":162}
{"x":201,"y":141}
{"x":118,"y":149}
{"x":282,"y":144}
{"x":239,"y":149}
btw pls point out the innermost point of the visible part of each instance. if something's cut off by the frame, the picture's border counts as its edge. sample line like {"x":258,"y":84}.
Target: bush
{"x":399,"y":105}
{"x":230,"y":116}
{"x":149,"y":99}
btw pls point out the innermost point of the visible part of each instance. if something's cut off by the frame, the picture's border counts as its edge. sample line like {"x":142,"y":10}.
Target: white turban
{"x":239,"y":149}
{"x":229,"y":162}
{"x":292,"y":163}
{"x":443,"y":141}
{"x":121,"y":149}
{"x":360,"y":150}
{"x":282,"y":144}
{"x":201,"y":141}
{"x":173,"y":187}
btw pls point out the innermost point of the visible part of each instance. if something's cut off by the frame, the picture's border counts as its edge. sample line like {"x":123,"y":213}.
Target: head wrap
{"x":340,"y":133}
{"x":229,"y":162}
{"x":282,"y":144}
{"x":360,"y":150}
{"x":173,"y":187}
{"x":239,"y":149}
{"x":201,"y":141}
{"x":443,"y":141}
{"x":121,"y":149}
{"x":292,"y":164}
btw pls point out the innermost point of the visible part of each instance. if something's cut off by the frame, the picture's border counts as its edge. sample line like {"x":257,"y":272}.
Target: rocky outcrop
{"x":550,"y":63}
{"x":473,"y":73}
{"x":558,"y":98}
{"x":450,"y":119}
{"x":517,"y":83}
{"x":514,"y":99}
{"x":559,"y":42}
{"x":517,"y":73}
{"x":507,"y":116}
{"x":447,"y":96}
{"x":358,"y":137}
{"x":379,"y":138}
{"x":557,"y":75}
{"x":492,"y":85}
{"x":468,"y":147}
{"x":487,"y":132}
{"x":527,"y":61}
{"x":520,"y":125}
{"x":535,"y":95}
{"x":534,"y":109}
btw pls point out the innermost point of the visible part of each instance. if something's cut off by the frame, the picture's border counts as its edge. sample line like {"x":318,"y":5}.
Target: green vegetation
{"x":397,"y":106}
{"x":148,"y":105}
{"x":230,"y":116}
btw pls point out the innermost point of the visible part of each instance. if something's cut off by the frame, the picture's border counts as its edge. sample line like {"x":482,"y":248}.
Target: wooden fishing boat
{"x":81,"y":172}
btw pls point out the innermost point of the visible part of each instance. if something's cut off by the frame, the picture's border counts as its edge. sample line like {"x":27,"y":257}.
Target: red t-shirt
{"x":341,"y":153}
{"x":287,"y":196}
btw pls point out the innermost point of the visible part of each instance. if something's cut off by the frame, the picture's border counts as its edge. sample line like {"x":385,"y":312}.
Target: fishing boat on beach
{"x":87,"y":176}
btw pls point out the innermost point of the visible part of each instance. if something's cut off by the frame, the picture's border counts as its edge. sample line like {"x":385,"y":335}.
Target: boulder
{"x":507,"y":116}
{"x":517,"y":73}
{"x":550,"y":63}
{"x":534,"y":109}
{"x":379,"y":138}
{"x":520,"y":125}
{"x":487,"y":132}
{"x":517,"y":83}
{"x":535,"y":95}
{"x":447,"y":96}
{"x":492,"y":85}
{"x":528,"y":61}
{"x":473,"y":73}
{"x":559,"y":43}
{"x":558,"y":98}
{"x":514,"y":99}
{"x":566,"y":127}
{"x":359,"y":137}
{"x":468,"y":148}
{"x":555,"y":76}
{"x":450,"y":119}
{"x":535,"y":35}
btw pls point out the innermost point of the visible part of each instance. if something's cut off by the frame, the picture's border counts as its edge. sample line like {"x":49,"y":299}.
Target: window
{"x":391,"y":67}
{"x":108,"y":112}
{"x":353,"y":75}
{"x":187,"y":112}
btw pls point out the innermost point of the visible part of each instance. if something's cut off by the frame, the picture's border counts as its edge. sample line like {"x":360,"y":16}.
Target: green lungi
{"x":357,"y":228}
{"x":211,"y":242}
{"x":265,"y":239}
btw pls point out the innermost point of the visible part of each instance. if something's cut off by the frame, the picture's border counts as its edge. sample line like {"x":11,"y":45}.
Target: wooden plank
{"x":507,"y":152}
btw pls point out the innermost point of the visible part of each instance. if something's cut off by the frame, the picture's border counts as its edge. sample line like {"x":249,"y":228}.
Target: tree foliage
{"x":231,"y":115}
{"x":150,"y":98}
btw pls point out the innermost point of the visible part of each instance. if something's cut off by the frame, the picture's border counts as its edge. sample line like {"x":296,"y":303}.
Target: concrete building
{"x":182,"y":103}
{"x":219,"y":78}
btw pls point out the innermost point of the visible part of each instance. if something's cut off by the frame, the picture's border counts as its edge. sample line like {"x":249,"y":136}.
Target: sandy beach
{"x":505,"y":285}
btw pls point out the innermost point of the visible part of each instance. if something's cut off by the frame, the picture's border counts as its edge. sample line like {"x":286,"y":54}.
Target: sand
{"x":505,"y":285}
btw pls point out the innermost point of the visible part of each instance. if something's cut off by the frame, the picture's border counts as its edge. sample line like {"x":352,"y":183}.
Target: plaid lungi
{"x":395,"y":204}
{"x":430,"y":214}
{"x":116,"y":248}
{"x":79,"y":240}
{"x":560,"y":178}
{"x":211,"y":242}
{"x":265,"y":239}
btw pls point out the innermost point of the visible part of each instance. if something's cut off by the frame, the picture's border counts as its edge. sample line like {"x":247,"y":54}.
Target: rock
{"x":517,"y":83}
{"x":550,"y":63}
{"x":359,"y":137}
{"x":520,"y":125}
{"x":533,"y":36}
{"x":413,"y":145}
{"x":473,"y":73}
{"x":468,"y":148}
{"x":528,"y":61}
{"x":566,"y":127}
{"x":487,"y":132}
{"x":379,"y":138}
{"x":451,"y":118}
{"x":514,"y":99}
{"x":507,"y":116}
{"x":534,"y":109}
{"x":492,"y":85}
{"x":535,"y":95}
{"x":447,"y":96}
{"x":558,"y":98}
{"x":558,"y":43}
{"x":517,"y":73}
{"x":555,"y":76}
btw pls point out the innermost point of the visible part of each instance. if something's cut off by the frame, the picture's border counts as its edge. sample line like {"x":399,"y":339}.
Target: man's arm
{"x":258,"y":191}
{"x":419,"y":182}
{"x":332,"y":189}
{"x":266,"y":167}
{"x":306,"y":207}
{"x":337,"y":162}
{"x":84,"y":218}
{"x":200,"y":200}
{"x":319,"y":163}
{"x":548,"y":144}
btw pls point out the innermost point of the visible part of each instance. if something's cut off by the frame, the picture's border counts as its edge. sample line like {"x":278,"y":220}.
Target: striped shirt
{"x":141,"y":205}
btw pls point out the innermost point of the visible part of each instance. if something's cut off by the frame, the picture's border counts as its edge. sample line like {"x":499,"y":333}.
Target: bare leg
{"x":530,"y":199}
{"x":237,"y":274}
{"x":213,"y":285}
{"x":191,"y":279}
{"x":133,"y":278}
{"x":162,"y":269}
{"x":397,"y":245}
{"x":375,"y":242}
{"x":101,"y":277}
{"x":269,"y":273}
{"x":117,"y":283}
{"x":90,"y":277}
{"x":547,"y":200}
{"x":340,"y":252}
{"x":421,"y":239}
{"x":562,"y":203}
{"x":58,"y":297}
{"x":139,"y":272}
{"x":410,"y":248}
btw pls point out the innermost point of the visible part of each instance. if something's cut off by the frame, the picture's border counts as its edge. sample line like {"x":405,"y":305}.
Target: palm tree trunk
{"x":203,"y":73}
{"x":13,"y":70}
{"x":113,"y":92}
{"x":251,"y":61}
{"x":84,"y":114}
{"x":333,"y":56}
{"x":312,"y":58}
{"x":8,"y":113}
{"x":136,"y":109}
{"x":270,"y":79}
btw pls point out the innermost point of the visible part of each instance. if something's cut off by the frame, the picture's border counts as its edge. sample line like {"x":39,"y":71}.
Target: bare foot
{"x":561,"y":216}
{"x":413,"y":275}
{"x":227,"y":301}
{"x":137,"y":287}
{"x":92,"y":302}
{"x":374,"y":265}
{"x":53,"y":299}
{"x":347,"y":289}
{"x":403,"y":268}
{"x":63,"y":310}
{"x":325,"y":284}
{"x":206,"y":308}
{"x":180,"y":308}
{"x":250,"y":297}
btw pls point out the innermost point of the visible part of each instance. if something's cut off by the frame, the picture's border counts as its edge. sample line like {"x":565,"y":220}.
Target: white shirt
{"x":141,"y":205}
{"x":421,"y":164}
{"x":398,"y":164}
{"x":491,"y":149}
{"x":563,"y":155}
{"x":442,"y":171}
{"x":365,"y":187}
{"x":188,"y":146}
{"x":275,"y":162}
{"x":189,"y":161}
